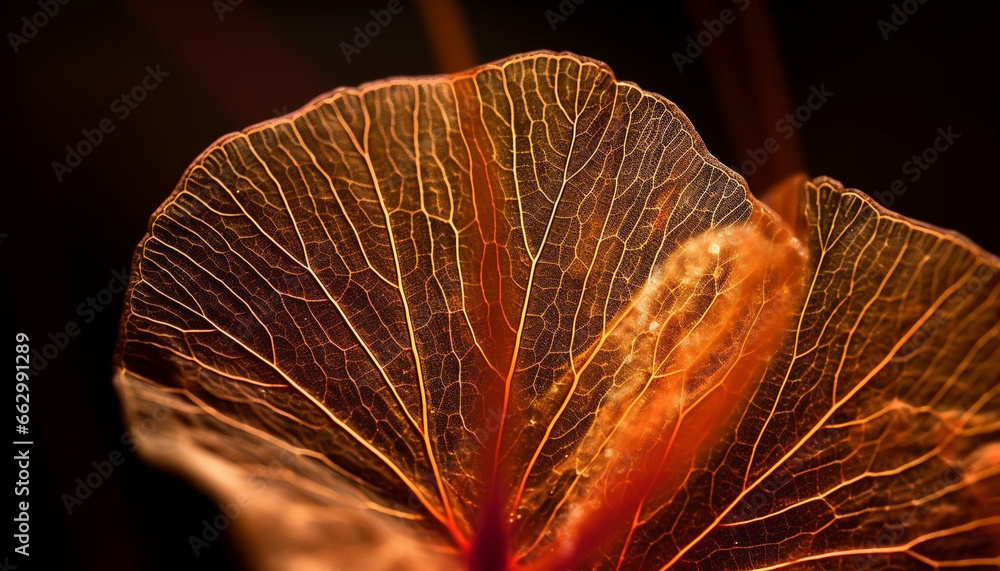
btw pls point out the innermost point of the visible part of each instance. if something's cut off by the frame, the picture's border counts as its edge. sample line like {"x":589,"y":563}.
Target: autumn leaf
{"x":520,"y":318}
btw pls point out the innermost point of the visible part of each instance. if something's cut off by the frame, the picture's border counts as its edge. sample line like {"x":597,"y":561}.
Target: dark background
{"x":64,"y":239}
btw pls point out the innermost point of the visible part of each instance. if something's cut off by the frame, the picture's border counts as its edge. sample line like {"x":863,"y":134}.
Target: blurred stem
{"x":450,"y":34}
{"x":751,"y":86}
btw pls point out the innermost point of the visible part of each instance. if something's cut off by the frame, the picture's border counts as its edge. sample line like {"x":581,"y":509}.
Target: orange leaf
{"x":519,"y":318}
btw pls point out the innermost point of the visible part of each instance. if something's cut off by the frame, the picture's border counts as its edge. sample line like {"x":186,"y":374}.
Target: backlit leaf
{"x":519,"y":317}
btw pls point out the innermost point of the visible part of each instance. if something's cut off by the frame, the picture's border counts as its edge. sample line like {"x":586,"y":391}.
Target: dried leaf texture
{"x":519,"y":317}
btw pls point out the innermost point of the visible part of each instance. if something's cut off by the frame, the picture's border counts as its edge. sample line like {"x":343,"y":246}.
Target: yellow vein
{"x":337,"y":421}
{"x":531,"y":273}
{"x":329,"y":296}
{"x":819,"y":424}
{"x":363,"y":151}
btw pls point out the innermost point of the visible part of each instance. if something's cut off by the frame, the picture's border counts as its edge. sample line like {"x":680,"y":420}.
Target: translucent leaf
{"x":520,"y":318}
